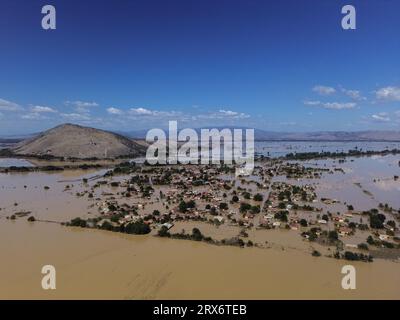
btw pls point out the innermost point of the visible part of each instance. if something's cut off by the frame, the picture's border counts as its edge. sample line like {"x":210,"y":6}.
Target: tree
{"x":163,"y":232}
{"x":197,"y":235}
{"x":255,"y":209}
{"x":78,"y":222}
{"x":258,"y":197}
{"x":244,"y":207}
{"x":376,"y":220}
{"x":282,"y":216}
{"x":182,"y":206}
{"x":246,"y":195}
{"x":191,"y":204}
{"x":391,"y":223}
{"x":235,"y":198}
{"x":303,"y":222}
{"x":316,"y":253}
{"x":138,"y":227}
{"x":333,"y":235}
{"x":370,"y":240}
{"x":363,"y":246}
{"x":223,"y":206}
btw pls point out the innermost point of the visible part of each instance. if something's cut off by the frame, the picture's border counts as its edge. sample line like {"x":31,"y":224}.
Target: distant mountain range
{"x":262,"y":135}
{"x":69,"y":140}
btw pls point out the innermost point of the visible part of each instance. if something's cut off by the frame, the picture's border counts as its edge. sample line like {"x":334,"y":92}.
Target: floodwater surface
{"x":98,"y":264}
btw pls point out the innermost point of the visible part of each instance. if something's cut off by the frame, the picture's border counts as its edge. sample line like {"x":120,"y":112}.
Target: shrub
{"x":316,"y":253}
{"x":137,"y":228}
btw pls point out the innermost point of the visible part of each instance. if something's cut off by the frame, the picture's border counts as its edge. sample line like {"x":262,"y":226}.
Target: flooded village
{"x":323,"y":211}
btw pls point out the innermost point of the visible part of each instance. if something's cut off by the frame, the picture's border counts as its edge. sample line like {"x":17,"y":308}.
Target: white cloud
{"x":75,"y":117}
{"x":6,"y":105}
{"x":33,"y":116}
{"x":82,"y":104}
{"x":233,"y":114}
{"x":223,"y":114}
{"x":312,"y":103}
{"x":40,"y":109}
{"x":115,"y":111}
{"x":142,"y":111}
{"x":331,"y":105}
{"x":324,"y":90}
{"x":381,"y":117}
{"x":354,"y":94}
{"x":339,"y":105}
{"x":228,"y":112}
{"x":388,"y":94}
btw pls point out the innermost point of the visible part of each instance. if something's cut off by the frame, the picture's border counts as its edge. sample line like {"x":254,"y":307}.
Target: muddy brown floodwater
{"x":98,"y":264}
{"x":101,"y":265}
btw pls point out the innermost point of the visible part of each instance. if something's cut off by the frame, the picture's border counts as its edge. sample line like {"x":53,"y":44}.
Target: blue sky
{"x":128,"y":65}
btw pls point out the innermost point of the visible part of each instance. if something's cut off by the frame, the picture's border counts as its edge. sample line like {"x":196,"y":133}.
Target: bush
{"x":223,"y":206}
{"x":163,"y":232}
{"x":282,"y":216}
{"x":244,"y":207}
{"x":303,"y":223}
{"x":137,"y":228}
{"x":333,"y":235}
{"x":376,"y":220}
{"x":78,"y":222}
{"x":316,"y":253}
{"x":197,"y":235}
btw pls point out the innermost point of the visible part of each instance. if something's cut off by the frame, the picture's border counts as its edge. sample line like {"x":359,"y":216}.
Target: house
{"x":388,"y":227}
{"x":383,"y":237}
{"x":344,"y":231}
{"x":268,"y":216}
{"x":294,"y":226}
{"x":167,"y":225}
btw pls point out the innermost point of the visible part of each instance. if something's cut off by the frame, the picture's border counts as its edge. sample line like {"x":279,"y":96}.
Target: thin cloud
{"x":75,"y":117}
{"x":223,"y":114}
{"x":143,"y":112}
{"x":42,"y":109}
{"x":388,"y":94}
{"x":114,"y":111}
{"x":81,"y":104}
{"x":381,"y":117}
{"x":324,"y":90}
{"x":6,"y":105}
{"x":353,"y":94}
{"x":331,"y":105}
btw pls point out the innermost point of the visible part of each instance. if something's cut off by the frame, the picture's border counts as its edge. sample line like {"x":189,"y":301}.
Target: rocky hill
{"x":74,"y":141}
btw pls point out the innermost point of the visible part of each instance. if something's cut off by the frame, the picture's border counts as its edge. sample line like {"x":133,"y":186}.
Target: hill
{"x":74,"y":141}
